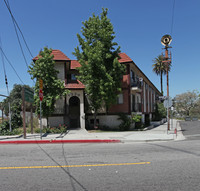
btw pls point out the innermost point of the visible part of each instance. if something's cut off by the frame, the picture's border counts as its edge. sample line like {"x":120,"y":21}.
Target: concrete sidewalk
{"x":159,"y":133}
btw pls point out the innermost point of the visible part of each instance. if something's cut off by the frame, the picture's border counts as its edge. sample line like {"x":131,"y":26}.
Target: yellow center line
{"x":70,"y":166}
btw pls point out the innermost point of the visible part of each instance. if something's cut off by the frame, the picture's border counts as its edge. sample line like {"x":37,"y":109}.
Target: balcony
{"x":137,"y":107}
{"x":136,"y":86}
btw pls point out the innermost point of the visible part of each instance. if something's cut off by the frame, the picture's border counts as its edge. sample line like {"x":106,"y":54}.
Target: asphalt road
{"x":152,"y":166}
{"x":191,"y":129}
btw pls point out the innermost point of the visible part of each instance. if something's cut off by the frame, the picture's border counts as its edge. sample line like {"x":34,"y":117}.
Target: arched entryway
{"x":74,"y":112}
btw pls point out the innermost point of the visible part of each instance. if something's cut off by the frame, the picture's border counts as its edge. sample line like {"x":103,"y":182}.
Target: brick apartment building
{"x":138,"y":95}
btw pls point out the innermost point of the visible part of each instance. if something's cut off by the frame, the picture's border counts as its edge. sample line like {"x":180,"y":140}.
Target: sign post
{"x":41,"y":98}
{"x":29,"y":97}
{"x":167,"y":104}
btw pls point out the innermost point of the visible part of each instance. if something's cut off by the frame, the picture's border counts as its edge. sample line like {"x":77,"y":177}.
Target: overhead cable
{"x":15,"y":22}
{"x":11,"y":65}
{"x":172,"y":23}
{"x":4,"y":69}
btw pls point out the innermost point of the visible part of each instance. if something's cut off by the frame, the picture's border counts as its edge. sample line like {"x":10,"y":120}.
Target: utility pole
{"x":166,"y":40}
{"x":23,"y":111}
{"x":41,"y":98}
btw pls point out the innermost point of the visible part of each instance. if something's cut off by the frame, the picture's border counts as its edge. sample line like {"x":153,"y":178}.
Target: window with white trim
{"x":120,"y":99}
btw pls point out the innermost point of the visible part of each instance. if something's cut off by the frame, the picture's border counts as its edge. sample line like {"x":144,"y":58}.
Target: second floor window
{"x":132,"y":76}
{"x":71,"y":77}
{"x":120,"y":99}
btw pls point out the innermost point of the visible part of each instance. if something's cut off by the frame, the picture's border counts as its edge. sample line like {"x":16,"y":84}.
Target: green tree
{"x":187,"y":103}
{"x":100,"y":69}
{"x":2,"y":109}
{"x":15,"y":99}
{"x":160,"y":68}
{"x":160,"y":112}
{"x":53,"y":88}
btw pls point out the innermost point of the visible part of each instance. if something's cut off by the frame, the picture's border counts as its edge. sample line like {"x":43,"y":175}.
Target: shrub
{"x":137,"y":119}
{"x":160,"y":112}
{"x":5,"y":129}
{"x":126,"y":122}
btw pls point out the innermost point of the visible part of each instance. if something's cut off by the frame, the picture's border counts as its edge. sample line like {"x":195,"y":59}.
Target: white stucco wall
{"x":60,"y":67}
{"x":55,"y":121}
{"x":108,"y":120}
{"x":60,"y":102}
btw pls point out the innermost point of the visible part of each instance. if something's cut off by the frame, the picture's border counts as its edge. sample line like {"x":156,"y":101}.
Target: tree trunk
{"x":47,"y":121}
{"x":95,"y":119}
{"x":161,"y":83}
{"x":2,"y":115}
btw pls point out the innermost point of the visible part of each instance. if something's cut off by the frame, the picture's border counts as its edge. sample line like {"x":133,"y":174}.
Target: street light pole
{"x":166,"y":40}
{"x":167,"y":64}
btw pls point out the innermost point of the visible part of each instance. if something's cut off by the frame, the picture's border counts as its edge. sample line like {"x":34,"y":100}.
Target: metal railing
{"x":137,"y":84}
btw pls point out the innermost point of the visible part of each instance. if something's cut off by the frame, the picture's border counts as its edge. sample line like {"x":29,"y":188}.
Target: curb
{"x":60,"y":141}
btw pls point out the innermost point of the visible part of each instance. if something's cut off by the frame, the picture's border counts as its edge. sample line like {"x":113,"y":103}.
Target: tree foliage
{"x":53,"y":88}
{"x":188,"y":103}
{"x":160,"y":112}
{"x":15,"y":100}
{"x":160,"y":68}
{"x":100,"y":69}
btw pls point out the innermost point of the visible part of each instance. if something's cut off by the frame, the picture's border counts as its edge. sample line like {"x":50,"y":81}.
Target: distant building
{"x":138,"y":95}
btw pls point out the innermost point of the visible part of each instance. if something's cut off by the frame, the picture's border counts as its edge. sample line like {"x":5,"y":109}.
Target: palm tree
{"x":160,"y":68}
{"x":2,"y":109}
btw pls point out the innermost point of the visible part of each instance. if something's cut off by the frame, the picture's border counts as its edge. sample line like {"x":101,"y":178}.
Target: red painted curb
{"x":60,"y":141}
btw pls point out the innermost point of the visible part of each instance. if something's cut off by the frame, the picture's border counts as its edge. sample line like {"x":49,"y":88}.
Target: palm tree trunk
{"x":161,"y":82}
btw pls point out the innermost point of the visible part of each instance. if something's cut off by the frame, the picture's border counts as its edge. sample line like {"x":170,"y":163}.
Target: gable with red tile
{"x":58,"y":56}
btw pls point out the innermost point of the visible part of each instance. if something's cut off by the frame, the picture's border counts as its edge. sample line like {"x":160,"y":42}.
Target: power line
{"x":15,"y":22}
{"x":172,"y":23}
{"x":4,"y":69}
{"x":11,"y":65}
{"x":17,"y":26}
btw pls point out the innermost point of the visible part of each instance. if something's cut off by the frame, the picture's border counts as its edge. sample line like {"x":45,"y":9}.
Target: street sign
{"x":41,"y":84}
{"x":162,"y":97}
{"x":41,"y":95}
{"x":167,"y":103}
{"x":28,"y":95}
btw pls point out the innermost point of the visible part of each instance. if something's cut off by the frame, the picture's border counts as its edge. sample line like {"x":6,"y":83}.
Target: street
{"x":172,"y":165}
{"x":191,"y":129}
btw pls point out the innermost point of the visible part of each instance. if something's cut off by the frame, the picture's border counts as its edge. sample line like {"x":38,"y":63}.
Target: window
{"x":73,"y":77}
{"x":132,"y":76}
{"x":120,"y":99}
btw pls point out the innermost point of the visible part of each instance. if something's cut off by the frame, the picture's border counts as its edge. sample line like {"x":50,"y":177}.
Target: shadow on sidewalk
{"x":5,"y":138}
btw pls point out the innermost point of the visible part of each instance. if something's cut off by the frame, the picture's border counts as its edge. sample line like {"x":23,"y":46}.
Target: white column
{"x":82,"y":114}
{"x":144,"y":96}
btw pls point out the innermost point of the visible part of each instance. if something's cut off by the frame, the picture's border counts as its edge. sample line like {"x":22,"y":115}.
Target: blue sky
{"x":138,"y":24}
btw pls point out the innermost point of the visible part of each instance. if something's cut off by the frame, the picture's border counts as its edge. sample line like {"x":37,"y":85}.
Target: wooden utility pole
{"x":31,"y":118}
{"x":24,"y":115}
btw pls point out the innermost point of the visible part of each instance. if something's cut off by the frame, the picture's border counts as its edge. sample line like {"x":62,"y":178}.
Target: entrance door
{"x":74,"y":112}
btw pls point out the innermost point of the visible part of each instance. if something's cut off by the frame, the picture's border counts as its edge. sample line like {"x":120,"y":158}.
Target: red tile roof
{"x":77,"y":85}
{"x":74,"y":64}
{"x":58,"y":55}
{"x":124,"y":58}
